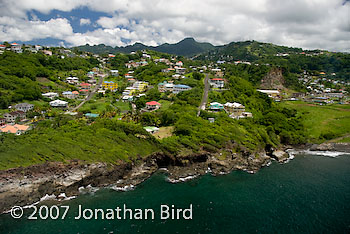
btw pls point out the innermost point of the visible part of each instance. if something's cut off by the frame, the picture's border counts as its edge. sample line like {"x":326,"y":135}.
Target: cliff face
{"x":23,"y":186}
{"x":273,"y":80}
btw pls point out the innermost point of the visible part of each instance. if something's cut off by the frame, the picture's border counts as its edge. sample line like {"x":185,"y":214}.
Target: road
{"x":90,"y":95}
{"x":205,"y":94}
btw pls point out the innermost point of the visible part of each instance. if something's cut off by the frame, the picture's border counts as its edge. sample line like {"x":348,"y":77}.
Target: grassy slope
{"x":101,"y":142}
{"x":322,"y":120}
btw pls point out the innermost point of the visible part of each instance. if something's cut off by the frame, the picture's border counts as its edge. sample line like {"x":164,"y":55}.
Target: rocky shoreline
{"x":23,"y":186}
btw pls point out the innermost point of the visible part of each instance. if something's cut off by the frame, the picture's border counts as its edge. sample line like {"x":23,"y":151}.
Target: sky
{"x":309,"y":24}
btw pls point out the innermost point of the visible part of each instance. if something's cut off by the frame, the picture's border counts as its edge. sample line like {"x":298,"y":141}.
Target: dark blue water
{"x":310,"y":194}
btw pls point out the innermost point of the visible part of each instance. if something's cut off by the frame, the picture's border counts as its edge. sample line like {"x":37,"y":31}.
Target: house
{"x":129,"y":91}
{"x":152,"y":106}
{"x":50,"y":95}
{"x":15,"y":129}
{"x":90,"y":74}
{"x":91,"y":115}
{"x":110,"y":85}
{"x":165,"y":86}
{"x":180,"y":88}
{"x":85,"y":86}
{"x":16,"y":48}
{"x":140,"y":85}
{"x":72,"y":80}
{"x":59,"y":103}
{"x":217,"y":83}
{"x":176,"y":76}
{"x":179,"y":64}
{"x":180,"y":70}
{"x":270,"y":93}
{"x":92,"y":81}
{"x":15,"y":115}
{"x":127,"y":98}
{"x":38,"y":47}
{"x":235,"y":108}
{"x":215,"y":106}
{"x":131,"y":80}
{"x":151,"y":129}
{"x":47,"y":52}
{"x":114,"y":72}
{"x":70,"y":95}
{"x":2,"y":48}
{"x":25,"y":107}
{"x":2,"y":121}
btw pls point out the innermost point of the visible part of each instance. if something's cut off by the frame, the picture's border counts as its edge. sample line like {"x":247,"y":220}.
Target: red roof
{"x":153,"y":103}
{"x":217,"y":79}
{"x":2,"y":46}
{"x":85,"y":84}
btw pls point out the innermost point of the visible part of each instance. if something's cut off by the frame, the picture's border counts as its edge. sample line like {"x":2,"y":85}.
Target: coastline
{"x":24,"y":186}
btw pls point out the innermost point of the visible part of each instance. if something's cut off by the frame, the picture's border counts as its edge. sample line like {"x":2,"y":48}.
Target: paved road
{"x":90,"y":95}
{"x":205,"y":94}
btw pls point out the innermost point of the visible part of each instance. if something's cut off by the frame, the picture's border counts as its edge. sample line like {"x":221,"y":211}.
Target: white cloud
{"x":18,"y":29}
{"x":303,"y":23}
{"x":84,"y":21}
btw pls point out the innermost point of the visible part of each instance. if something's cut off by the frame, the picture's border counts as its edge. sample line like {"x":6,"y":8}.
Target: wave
{"x":182,"y":179}
{"x":332,"y":154}
{"x":88,"y":189}
{"x":123,"y":188}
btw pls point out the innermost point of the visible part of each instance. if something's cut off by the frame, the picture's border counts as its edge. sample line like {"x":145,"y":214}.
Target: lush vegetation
{"x":64,"y":139}
{"x":19,"y":72}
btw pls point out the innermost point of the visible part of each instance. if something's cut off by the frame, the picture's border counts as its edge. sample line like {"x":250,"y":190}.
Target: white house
{"x":59,"y":103}
{"x":114,"y":72}
{"x":25,"y":107}
{"x":72,"y":80}
{"x":217,"y":82}
{"x":50,"y":95}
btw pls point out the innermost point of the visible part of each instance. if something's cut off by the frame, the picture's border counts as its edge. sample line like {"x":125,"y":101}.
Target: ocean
{"x":309,"y":194}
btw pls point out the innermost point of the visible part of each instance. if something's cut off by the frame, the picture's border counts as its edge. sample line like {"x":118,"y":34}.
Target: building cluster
{"x":234,"y":110}
{"x":10,"y":120}
{"x":169,"y":86}
{"x":137,"y":89}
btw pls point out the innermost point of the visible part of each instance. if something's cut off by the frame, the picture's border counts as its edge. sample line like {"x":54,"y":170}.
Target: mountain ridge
{"x":186,"y":47}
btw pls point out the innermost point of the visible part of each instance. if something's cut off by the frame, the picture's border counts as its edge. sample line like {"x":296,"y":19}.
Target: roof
{"x":58,"y":102}
{"x":75,"y":92}
{"x":24,"y":104}
{"x":91,"y":115}
{"x":217,"y":79}
{"x":235,"y":104}
{"x":268,"y":91}
{"x":151,"y":128}
{"x":67,"y":92}
{"x":85,"y":84}
{"x":215,"y":103}
{"x":15,"y":113}
{"x":182,"y":86}
{"x":13,"y":128}
{"x":108,"y":82}
{"x":153,"y":103}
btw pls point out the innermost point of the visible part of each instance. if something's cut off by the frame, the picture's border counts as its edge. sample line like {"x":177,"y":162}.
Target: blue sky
{"x":310,"y":24}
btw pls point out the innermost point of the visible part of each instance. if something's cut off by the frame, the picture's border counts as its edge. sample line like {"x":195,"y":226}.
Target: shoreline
{"x":24,"y":186}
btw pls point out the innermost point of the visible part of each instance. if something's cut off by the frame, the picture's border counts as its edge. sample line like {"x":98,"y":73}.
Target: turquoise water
{"x":310,"y":194}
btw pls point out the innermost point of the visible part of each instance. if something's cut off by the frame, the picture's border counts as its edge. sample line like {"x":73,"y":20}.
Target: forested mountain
{"x":186,"y":47}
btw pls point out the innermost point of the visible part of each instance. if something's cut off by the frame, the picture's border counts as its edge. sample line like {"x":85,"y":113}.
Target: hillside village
{"x":126,"y":86}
